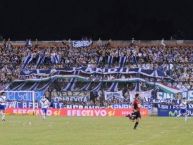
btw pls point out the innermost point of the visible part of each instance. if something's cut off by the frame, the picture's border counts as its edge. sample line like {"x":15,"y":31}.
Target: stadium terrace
{"x":96,"y":73}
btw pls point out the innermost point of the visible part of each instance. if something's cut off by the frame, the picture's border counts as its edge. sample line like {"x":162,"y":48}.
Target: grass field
{"x":29,"y":130}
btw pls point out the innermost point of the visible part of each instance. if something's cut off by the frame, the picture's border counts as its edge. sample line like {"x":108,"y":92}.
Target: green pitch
{"x":29,"y":130}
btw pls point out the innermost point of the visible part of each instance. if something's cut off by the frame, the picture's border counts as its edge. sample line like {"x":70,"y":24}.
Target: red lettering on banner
{"x":96,"y":112}
{"x":103,"y":113}
{"x":77,"y":112}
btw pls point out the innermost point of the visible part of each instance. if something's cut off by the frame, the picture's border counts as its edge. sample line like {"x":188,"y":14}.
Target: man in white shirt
{"x":44,"y":105}
{"x":2,"y":106}
{"x":183,"y":109}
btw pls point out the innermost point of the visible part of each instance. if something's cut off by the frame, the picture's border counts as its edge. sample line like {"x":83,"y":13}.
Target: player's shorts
{"x":2,"y":107}
{"x":44,"y":110}
{"x":136,"y":115}
{"x":182,"y":111}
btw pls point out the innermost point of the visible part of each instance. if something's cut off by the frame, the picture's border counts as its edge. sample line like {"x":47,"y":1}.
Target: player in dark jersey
{"x":135,"y":116}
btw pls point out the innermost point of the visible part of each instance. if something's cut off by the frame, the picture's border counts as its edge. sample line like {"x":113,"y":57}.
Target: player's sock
{"x":44,"y":115}
{"x":186,"y":118}
{"x":136,"y":124}
{"x":179,"y":115}
{"x":3,"y":117}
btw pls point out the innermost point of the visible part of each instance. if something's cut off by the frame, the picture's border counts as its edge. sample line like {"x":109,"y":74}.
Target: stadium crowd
{"x":175,"y":61}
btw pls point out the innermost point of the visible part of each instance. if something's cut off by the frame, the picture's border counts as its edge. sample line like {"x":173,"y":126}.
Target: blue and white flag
{"x":110,"y":60}
{"x":81,"y":43}
{"x":55,"y":58}
{"x":134,"y":59}
{"x":27,"y":60}
{"x":113,"y":87}
{"x":122,"y":60}
{"x":98,"y":87}
{"x":41,"y":59}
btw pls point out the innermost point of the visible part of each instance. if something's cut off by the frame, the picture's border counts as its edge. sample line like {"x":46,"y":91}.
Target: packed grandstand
{"x":98,"y":73}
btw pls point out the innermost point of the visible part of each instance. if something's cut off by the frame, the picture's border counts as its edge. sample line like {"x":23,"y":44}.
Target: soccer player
{"x":2,"y":106}
{"x":135,"y":116}
{"x":44,"y":105}
{"x":183,"y":110}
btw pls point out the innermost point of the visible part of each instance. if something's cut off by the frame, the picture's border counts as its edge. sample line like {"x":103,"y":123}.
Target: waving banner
{"x":23,"y":95}
{"x":144,"y":95}
{"x":113,"y":95}
{"x":83,"y":43}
